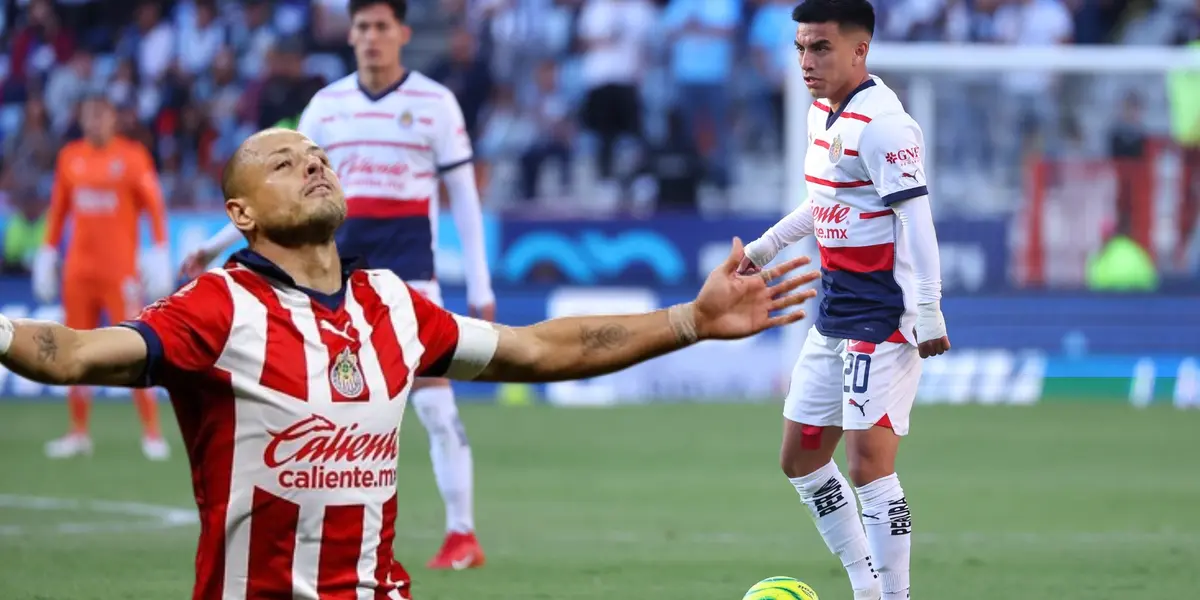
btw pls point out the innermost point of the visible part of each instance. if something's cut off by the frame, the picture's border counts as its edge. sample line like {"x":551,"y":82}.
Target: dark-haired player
{"x":858,"y":372}
{"x":289,"y":371}
{"x":391,"y":134}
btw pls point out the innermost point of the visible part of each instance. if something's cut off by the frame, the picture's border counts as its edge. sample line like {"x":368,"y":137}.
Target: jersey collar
{"x":385,"y":91}
{"x":263,"y":266}
{"x":833,"y":116}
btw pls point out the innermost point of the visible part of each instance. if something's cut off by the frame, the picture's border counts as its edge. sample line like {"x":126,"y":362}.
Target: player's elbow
{"x":523,"y":356}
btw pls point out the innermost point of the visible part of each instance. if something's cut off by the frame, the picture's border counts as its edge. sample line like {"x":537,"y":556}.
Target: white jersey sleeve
{"x":892,"y":148}
{"x":794,"y":227}
{"x":452,"y":147}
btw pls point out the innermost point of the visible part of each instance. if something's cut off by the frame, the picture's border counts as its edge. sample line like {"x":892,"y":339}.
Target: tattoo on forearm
{"x":605,"y":337}
{"x":46,"y":343}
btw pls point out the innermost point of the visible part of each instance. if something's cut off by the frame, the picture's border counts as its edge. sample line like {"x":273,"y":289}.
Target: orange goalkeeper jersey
{"x":104,"y":191}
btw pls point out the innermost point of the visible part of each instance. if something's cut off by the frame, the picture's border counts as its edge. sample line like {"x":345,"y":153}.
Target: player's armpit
{"x":53,"y":354}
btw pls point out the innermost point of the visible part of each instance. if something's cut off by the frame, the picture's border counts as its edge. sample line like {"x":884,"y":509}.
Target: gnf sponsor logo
{"x":316,"y":453}
{"x":904,"y":156}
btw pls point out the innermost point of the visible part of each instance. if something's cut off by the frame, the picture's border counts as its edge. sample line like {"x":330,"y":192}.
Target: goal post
{"x":1058,"y":196}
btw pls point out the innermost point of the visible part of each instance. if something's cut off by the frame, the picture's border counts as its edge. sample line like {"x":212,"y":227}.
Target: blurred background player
{"x":103,"y":184}
{"x":860,"y":367}
{"x":391,"y":133}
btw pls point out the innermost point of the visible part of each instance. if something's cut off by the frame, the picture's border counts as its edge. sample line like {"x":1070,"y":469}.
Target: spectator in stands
{"x":285,"y":90}
{"x":613,"y":35}
{"x":123,"y":88}
{"x":150,"y":42}
{"x":703,"y":52}
{"x":551,"y":114}
{"x":676,"y":166}
{"x":468,"y":76}
{"x":252,"y":37}
{"x":1127,"y":147}
{"x":24,"y":229}
{"x":200,"y":38}
{"x":30,"y":153}
{"x":38,"y":45}
{"x":66,"y":86}
{"x":1033,"y":97}
{"x":770,"y":31}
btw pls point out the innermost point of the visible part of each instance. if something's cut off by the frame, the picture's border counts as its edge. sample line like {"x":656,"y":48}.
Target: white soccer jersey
{"x":290,"y":403}
{"x":863,"y":158}
{"x":388,"y":150}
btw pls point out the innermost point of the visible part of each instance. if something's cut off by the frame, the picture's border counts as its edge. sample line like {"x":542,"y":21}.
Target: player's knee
{"x":806,"y":449}
{"x":867,"y":468}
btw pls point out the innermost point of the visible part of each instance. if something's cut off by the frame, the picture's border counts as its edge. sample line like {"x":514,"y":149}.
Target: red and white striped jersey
{"x":290,"y":404}
{"x":388,"y":150}
{"x":861,"y":160}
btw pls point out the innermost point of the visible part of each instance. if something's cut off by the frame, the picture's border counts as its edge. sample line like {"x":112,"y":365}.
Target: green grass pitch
{"x":666,"y":502}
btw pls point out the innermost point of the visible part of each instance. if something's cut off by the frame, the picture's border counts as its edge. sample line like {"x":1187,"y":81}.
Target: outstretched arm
{"x":729,"y":306}
{"x":797,"y":225}
{"x":53,"y":354}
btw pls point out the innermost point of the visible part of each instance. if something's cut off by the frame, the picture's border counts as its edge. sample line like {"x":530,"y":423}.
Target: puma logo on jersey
{"x":911,"y":176}
{"x":344,"y":332}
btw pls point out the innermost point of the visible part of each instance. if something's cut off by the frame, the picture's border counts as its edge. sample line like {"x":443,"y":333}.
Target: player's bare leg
{"x":453,"y":468}
{"x":871,"y":455}
{"x":807,"y":459}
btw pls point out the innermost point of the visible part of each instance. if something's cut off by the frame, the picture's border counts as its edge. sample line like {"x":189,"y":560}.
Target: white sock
{"x":450,"y":452}
{"x":889,"y":530}
{"x":828,"y":496}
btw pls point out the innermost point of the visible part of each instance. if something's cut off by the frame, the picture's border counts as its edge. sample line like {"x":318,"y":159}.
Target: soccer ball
{"x":780,"y":588}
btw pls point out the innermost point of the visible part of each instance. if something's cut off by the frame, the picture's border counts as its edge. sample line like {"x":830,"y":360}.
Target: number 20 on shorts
{"x":857,"y":373}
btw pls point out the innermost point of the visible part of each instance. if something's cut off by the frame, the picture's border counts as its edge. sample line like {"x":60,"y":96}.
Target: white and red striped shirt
{"x":290,"y":404}
{"x":388,"y":150}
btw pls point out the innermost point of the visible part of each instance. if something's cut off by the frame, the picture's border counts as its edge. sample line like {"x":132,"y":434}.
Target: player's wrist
{"x":684,"y":325}
{"x":7,"y":332}
{"x":931,"y":325}
{"x":762,"y":251}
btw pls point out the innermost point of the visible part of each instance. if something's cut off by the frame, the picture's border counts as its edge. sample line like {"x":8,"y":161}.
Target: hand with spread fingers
{"x":732,"y":305}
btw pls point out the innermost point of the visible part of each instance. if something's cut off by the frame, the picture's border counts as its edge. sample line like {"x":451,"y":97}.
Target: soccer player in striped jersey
{"x":289,"y":370}
{"x":392,"y":135}
{"x":857,"y":375}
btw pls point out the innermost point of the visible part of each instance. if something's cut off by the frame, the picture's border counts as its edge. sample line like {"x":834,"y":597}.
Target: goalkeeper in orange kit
{"x":102,"y":185}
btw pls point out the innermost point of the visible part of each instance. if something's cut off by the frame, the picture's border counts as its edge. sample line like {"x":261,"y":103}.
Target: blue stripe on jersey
{"x":402,"y":245}
{"x":860,"y":306}
{"x":902,"y":195}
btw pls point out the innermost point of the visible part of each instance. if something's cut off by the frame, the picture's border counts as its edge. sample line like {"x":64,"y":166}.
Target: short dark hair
{"x":846,"y":13}
{"x":399,"y":7}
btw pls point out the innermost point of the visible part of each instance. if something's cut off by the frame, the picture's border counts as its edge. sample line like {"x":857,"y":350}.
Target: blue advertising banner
{"x":682,"y":249}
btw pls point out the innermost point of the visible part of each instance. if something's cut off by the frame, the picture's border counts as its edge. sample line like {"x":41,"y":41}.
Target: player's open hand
{"x":732,"y":306}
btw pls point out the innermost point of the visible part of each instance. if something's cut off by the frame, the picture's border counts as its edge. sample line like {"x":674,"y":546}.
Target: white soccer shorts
{"x":430,"y":289}
{"x":853,"y":385}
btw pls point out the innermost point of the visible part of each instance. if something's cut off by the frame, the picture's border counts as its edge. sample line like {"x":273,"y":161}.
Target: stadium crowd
{"x":594,"y":88}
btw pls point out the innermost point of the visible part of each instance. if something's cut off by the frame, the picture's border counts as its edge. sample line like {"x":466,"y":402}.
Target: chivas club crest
{"x":835,"y":149}
{"x":345,"y":375}
{"x":406,"y":119}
